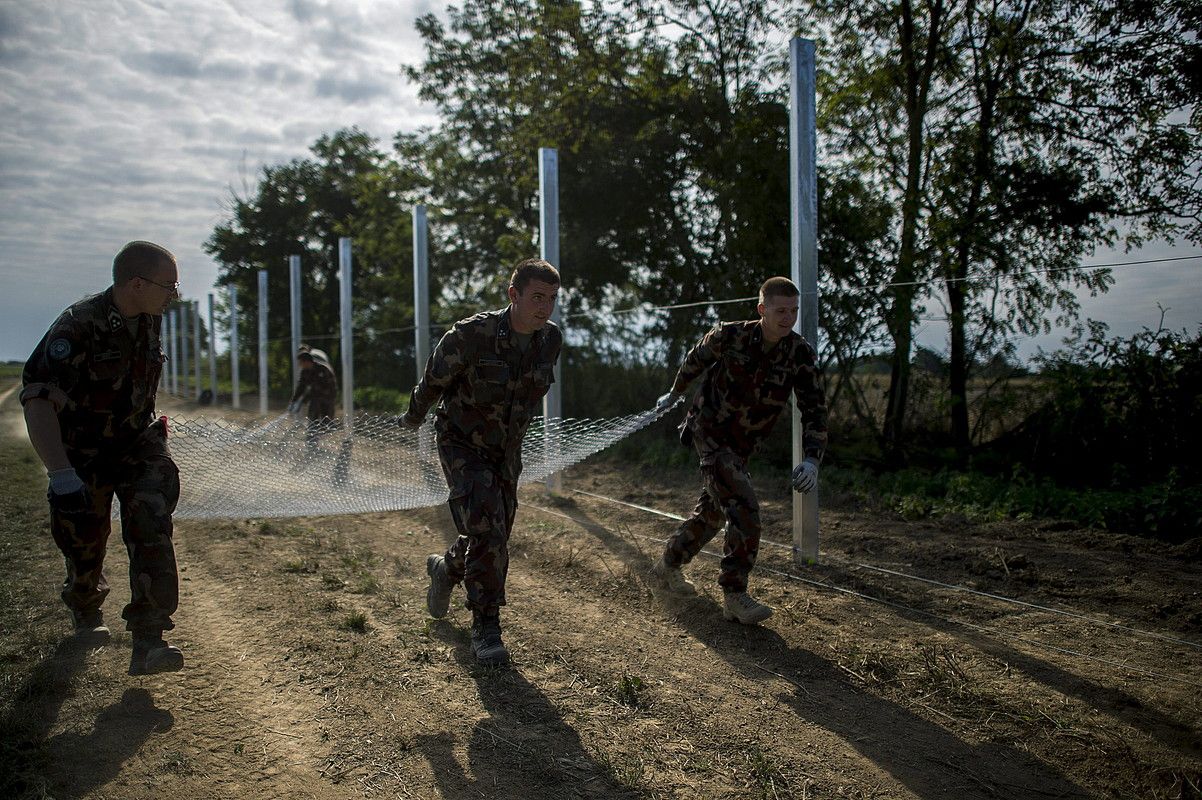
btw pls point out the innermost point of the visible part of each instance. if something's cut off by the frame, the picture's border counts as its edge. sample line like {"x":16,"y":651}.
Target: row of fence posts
{"x":175,"y":322}
{"x":804,"y":270}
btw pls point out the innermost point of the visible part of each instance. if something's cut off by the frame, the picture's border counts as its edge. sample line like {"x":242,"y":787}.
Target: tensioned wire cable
{"x":879,"y":287}
{"x":901,"y":607}
{"x":951,"y":586}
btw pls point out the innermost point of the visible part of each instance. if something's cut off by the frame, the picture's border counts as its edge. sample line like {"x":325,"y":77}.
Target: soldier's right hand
{"x":67,"y":493}
{"x":667,"y":401}
{"x":408,"y":422}
{"x":294,"y":408}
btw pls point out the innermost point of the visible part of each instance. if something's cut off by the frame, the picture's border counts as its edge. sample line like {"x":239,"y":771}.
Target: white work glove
{"x":667,"y":401}
{"x":66,"y":492}
{"x":805,"y":476}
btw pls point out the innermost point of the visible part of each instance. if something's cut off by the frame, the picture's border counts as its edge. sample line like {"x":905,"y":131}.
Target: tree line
{"x":971,"y":154}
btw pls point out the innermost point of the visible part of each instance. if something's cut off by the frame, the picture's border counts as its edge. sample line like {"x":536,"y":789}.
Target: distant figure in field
{"x":319,"y":388}
{"x":747,"y":371}
{"x":488,"y":374}
{"x":89,"y":395}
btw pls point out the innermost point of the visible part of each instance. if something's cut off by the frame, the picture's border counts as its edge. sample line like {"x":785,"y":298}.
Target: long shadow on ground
{"x":929,"y":760}
{"x":68,"y":764}
{"x":87,"y":762}
{"x":1116,"y":703}
{"x":524,"y":750}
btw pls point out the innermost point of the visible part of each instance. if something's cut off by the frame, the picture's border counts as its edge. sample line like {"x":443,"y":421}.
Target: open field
{"x":313,"y":670}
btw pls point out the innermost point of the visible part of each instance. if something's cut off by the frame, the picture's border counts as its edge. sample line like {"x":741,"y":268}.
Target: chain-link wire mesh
{"x":287,"y":467}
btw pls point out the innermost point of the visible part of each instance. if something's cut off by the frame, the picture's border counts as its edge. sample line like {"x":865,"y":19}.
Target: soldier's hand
{"x":294,"y":408}
{"x":408,"y":422}
{"x":67,"y":493}
{"x":805,"y":476}
{"x":667,"y":401}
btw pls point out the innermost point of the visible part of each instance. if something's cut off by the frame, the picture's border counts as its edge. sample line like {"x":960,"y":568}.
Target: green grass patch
{"x":1170,"y":509}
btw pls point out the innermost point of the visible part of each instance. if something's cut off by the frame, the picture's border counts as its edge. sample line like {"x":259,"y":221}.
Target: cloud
{"x":163,"y":64}
{"x":354,"y":89}
{"x":134,"y":120}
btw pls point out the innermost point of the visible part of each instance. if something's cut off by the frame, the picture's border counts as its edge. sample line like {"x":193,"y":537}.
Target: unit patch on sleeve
{"x":59,"y":349}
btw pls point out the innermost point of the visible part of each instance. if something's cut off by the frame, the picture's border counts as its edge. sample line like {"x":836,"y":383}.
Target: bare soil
{"x":314,"y":671}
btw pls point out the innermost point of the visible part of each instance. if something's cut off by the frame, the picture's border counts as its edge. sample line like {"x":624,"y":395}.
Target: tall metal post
{"x":212,"y":351}
{"x":421,"y":290}
{"x":263,"y":342}
{"x":183,"y":347}
{"x":803,"y":206}
{"x":236,"y":393}
{"x":548,"y":198}
{"x":196,"y":349}
{"x":348,"y":359}
{"x":165,"y":343}
{"x":294,"y":284}
{"x":174,"y":352}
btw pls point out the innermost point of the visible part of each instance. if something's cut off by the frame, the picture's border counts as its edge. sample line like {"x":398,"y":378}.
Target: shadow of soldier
{"x":524,"y":749}
{"x":25,"y":760}
{"x":87,"y":762}
{"x":929,"y":760}
{"x":1113,"y":701}
{"x":1124,"y":707}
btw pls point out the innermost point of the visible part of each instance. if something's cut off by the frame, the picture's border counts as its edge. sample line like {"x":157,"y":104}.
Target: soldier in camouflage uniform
{"x":318,"y":386}
{"x":89,"y":394}
{"x":747,"y":371}
{"x":488,"y":374}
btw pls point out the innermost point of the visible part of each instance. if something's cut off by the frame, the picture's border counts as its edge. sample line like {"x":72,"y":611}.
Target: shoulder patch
{"x":58,"y":349}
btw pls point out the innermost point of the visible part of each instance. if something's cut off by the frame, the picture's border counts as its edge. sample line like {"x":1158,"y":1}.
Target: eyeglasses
{"x":171,"y":287}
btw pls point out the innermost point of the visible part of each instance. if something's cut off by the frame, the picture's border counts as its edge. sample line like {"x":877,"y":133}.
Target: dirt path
{"x":313,"y":670}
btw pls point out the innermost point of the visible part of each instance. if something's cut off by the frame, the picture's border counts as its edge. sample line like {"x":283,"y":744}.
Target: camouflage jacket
{"x":101,"y":378}
{"x":745,"y":388}
{"x":489,"y":389}
{"x":317,"y":384}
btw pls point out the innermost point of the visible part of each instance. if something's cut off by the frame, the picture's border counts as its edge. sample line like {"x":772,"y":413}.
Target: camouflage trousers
{"x":320,"y":421}
{"x":483,"y":505}
{"x":727,"y":498}
{"x":146,"y":481}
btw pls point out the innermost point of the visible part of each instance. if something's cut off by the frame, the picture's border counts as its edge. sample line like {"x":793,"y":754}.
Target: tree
{"x":1022,"y":139}
{"x":884,"y":81}
{"x":347,"y":188}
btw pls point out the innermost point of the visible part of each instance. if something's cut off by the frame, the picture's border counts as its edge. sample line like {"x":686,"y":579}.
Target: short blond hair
{"x":778,"y":287}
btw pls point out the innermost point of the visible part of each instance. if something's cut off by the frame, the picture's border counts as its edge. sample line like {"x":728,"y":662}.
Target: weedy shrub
{"x":355,"y":622}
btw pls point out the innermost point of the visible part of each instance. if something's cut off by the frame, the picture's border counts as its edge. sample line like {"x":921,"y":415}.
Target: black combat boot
{"x":486,"y":639}
{"x":152,"y":655}
{"x":89,"y":626}
{"x":438,"y":596}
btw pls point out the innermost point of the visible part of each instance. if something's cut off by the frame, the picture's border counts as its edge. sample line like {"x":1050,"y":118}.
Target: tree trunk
{"x":917,"y":76}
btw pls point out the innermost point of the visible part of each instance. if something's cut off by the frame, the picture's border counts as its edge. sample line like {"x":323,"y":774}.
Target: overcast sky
{"x":126,"y":120}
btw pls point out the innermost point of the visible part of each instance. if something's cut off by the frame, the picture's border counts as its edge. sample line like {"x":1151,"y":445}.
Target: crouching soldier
{"x":747,"y":371}
{"x":488,"y":375}
{"x":317,"y":386}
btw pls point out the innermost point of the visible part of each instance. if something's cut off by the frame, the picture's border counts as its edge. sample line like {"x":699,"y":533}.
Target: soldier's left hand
{"x":805,"y":476}
{"x":408,"y":423}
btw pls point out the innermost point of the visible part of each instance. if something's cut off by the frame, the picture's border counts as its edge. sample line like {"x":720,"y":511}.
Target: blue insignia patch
{"x":59,"y":349}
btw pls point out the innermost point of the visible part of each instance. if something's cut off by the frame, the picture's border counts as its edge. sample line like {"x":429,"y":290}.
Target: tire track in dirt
{"x":239,"y":731}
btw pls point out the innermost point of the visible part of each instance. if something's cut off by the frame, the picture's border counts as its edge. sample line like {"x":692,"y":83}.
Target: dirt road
{"x":313,"y":670}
